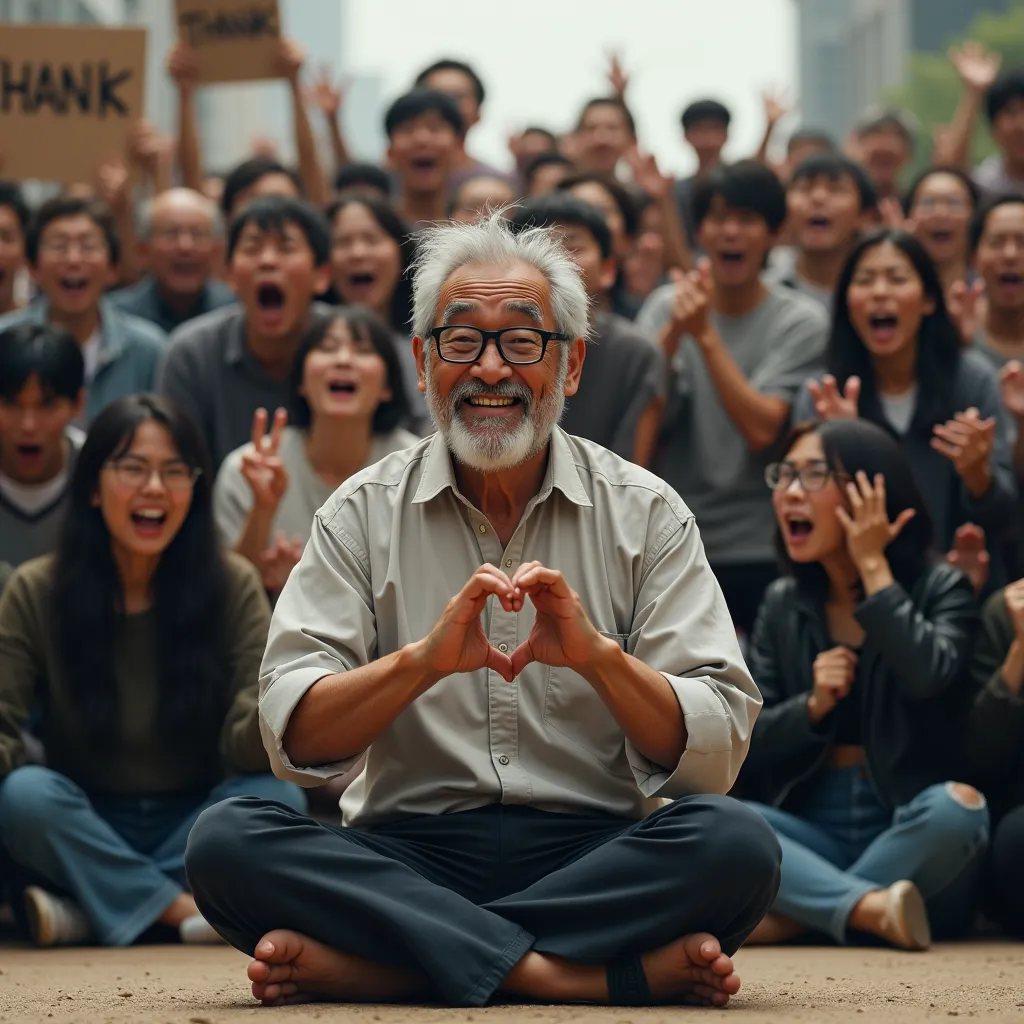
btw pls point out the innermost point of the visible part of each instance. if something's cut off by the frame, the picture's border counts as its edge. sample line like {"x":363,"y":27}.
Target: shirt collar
{"x":561,"y":473}
{"x":111,"y":330}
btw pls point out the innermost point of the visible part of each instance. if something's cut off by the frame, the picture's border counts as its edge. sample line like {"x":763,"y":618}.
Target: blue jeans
{"x":121,"y":857}
{"x":842,"y":844}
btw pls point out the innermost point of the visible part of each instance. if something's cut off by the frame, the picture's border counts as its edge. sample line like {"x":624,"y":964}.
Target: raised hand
{"x":969,"y":555}
{"x":776,"y":106}
{"x":617,"y":77}
{"x":263,"y":145}
{"x":145,"y":145}
{"x":458,"y":643}
{"x":325,"y":94}
{"x":263,"y":470}
{"x":1011,"y":382}
{"x":691,"y":302}
{"x":867,"y":526}
{"x":562,"y":633}
{"x":112,"y":183}
{"x":967,"y":441}
{"x":976,"y":65}
{"x":647,"y":175}
{"x":834,"y":672}
{"x":832,"y":404}
{"x":277,"y":562}
{"x":963,"y":303}
{"x":290,"y":59}
{"x":892,"y":215}
{"x":1013,"y":595}
{"x":183,"y":66}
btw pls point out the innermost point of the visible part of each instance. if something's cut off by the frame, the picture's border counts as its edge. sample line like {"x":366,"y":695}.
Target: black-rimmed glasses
{"x":519,"y":346}
{"x":813,"y":476}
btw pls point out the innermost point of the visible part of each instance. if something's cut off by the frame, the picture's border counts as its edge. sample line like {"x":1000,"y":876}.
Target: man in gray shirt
{"x":520,"y":631}
{"x":225,"y":365}
{"x":739,"y":352}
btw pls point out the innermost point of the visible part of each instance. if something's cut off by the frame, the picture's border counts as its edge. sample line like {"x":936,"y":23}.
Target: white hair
{"x":443,"y":248}
{"x":144,"y":219}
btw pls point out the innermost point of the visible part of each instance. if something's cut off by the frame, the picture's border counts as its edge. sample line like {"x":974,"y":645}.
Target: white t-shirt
{"x":30,"y":499}
{"x":91,"y":356}
{"x":899,"y":409}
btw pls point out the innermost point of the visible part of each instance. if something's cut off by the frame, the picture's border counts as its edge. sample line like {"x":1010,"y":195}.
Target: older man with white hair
{"x":521,"y":632}
{"x":181,"y":241}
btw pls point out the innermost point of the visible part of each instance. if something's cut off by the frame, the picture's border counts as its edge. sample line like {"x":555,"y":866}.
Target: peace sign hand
{"x":263,"y":470}
{"x":832,"y":404}
{"x":867,"y":526}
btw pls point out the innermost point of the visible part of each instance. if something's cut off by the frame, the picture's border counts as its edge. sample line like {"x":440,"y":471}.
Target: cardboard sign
{"x":68,"y":98}
{"x":236,"y":40}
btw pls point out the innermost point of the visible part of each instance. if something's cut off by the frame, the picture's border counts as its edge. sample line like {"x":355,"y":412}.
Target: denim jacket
{"x":129,"y":351}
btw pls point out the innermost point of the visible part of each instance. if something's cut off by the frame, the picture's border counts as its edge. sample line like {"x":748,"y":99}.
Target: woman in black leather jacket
{"x":860,"y":654}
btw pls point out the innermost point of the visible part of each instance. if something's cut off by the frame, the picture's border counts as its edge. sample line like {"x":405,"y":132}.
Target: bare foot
{"x":692,"y":970}
{"x":181,"y":907}
{"x":774,"y":928}
{"x":897,"y":914}
{"x":293,"y":968}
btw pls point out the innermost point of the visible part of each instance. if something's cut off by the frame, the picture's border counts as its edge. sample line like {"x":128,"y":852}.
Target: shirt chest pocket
{"x":574,"y":710}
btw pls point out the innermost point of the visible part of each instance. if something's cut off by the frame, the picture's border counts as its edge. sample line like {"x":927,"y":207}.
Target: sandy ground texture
{"x":176,"y":985}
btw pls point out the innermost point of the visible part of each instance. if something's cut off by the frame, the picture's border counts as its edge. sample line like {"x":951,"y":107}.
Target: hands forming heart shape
{"x":562,"y":634}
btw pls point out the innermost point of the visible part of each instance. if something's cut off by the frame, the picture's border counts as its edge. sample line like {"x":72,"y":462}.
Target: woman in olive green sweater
{"x":140,"y":641}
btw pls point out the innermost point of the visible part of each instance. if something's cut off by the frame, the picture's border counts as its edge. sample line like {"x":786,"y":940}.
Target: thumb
{"x":704,"y":269}
{"x":676,"y":275}
{"x":901,"y":520}
{"x":500,"y":663}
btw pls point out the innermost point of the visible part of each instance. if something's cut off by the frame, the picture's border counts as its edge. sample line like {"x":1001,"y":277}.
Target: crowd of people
{"x":823,"y":359}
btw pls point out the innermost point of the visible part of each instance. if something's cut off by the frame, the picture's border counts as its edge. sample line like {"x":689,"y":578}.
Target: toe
{"x":258,"y":971}
{"x":722,"y":965}
{"x":702,"y":947}
{"x":279,"y":946}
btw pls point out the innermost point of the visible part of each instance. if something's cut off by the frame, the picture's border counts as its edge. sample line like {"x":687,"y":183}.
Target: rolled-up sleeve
{"x":323,"y":624}
{"x":682,"y":629}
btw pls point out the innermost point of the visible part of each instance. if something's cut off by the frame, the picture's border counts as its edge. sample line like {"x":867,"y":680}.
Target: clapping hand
{"x":691,"y":300}
{"x":967,"y":441}
{"x":834,"y":671}
{"x":868,"y":529}
{"x":963,"y":303}
{"x":262,"y":468}
{"x":832,"y":404}
{"x":969,"y":555}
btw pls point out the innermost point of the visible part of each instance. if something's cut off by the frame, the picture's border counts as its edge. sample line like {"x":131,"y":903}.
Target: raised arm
{"x":311,"y":171}
{"x":183,"y":67}
{"x":977,"y":68}
{"x":327,"y":96}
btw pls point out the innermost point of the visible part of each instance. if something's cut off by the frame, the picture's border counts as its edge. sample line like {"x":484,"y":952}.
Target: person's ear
{"x":609,"y":271}
{"x":79,"y":406}
{"x":419,"y":351}
{"x":577,"y":353}
{"x":929,"y":306}
{"x":321,"y":279}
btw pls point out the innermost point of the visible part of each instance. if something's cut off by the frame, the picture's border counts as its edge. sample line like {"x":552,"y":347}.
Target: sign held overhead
{"x":234,"y":40}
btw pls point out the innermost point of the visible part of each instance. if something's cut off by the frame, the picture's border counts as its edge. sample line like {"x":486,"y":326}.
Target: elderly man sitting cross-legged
{"x":522,"y":632}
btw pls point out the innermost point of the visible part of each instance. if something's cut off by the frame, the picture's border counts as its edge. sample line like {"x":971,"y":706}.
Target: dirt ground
{"x":176,"y":985}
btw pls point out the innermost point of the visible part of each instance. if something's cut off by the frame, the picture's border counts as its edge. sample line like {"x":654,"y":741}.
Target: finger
{"x":901,"y":520}
{"x":521,"y":657}
{"x":524,"y":568}
{"x":676,"y":275}
{"x":704,"y":269}
{"x":878,"y":504}
{"x":951,"y":451}
{"x":280,"y":422}
{"x":259,"y":427}
{"x":541,"y":576}
{"x":954,"y":433}
{"x":814,"y":390}
{"x":828,"y":387}
{"x":852,"y":392}
{"x":500,"y":663}
{"x":844,"y":519}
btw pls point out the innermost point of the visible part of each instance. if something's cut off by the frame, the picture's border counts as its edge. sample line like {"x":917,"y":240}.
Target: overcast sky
{"x":541,"y":59}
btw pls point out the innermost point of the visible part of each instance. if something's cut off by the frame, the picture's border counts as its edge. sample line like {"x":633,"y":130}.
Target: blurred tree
{"x":933,"y":86}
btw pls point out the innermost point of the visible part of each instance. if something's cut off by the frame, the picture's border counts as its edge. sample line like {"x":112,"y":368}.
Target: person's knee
{"x":266,"y":786}
{"x":955,"y":817}
{"x":32,"y":798}
{"x":216,"y":852}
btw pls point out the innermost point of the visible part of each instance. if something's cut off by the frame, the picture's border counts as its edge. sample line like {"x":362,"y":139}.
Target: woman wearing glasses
{"x":348,"y":399}
{"x":896,"y":358}
{"x":859,"y":652}
{"x":141,"y":642}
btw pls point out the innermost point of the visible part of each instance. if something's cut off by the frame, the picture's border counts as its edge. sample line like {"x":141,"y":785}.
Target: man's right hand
{"x":833,"y":676}
{"x":457,"y":643}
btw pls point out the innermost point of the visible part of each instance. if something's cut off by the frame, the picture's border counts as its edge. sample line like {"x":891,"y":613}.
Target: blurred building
{"x":851,"y":51}
{"x":232,"y":116}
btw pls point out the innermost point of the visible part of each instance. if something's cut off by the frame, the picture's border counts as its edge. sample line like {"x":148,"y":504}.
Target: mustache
{"x":503,"y":389}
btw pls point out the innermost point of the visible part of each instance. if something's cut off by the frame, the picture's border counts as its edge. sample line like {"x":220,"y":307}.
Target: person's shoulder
{"x":792,"y":306}
{"x":130,"y":296}
{"x":18,"y":316}
{"x":976,"y":367}
{"x":242,"y":576}
{"x":141,"y":334}
{"x":610,"y":328}
{"x":780,"y":593}
{"x":939,"y":578}
{"x":207,"y":330}
{"x":609,"y":477}
{"x":218,"y":294}
{"x":33,"y":580}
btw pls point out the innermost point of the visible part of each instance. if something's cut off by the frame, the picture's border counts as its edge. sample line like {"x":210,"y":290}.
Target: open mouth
{"x":423,"y":163}
{"x":29,"y":451}
{"x":361,"y":282}
{"x":731,"y":257}
{"x":341,"y":388}
{"x":798,"y":528}
{"x":1011,"y":279}
{"x":149,"y":521}
{"x":270,"y":297}
{"x":883,"y":327}
{"x":819,"y":222}
{"x":75,"y":285}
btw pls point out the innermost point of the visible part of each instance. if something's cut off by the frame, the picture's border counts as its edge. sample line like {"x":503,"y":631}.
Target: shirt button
{"x":503,"y":759}
{"x":503,"y":648}
{"x":483,"y":528}
{"x":508,"y":562}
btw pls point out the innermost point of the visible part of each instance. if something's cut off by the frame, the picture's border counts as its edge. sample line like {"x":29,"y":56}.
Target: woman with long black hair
{"x":142,"y":642}
{"x":860,"y":653}
{"x":897,"y":359}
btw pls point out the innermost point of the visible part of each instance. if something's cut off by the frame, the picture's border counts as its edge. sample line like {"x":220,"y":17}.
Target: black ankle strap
{"x":627,"y":983}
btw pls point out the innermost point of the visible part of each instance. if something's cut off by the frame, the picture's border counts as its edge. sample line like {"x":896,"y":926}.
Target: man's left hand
{"x":562,"y":634}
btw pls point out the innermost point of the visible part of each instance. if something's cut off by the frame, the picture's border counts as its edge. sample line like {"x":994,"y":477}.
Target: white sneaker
{"x":55,"y":921}
{"x":197,"y":931}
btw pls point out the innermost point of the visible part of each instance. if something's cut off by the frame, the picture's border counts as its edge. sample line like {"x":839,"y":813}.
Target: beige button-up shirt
{"x":397,"y":541}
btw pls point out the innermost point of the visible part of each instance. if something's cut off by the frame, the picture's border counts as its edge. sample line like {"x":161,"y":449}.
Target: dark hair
{"x":536,"y":129}
{"x":419,"y":102}
{"x":816,"y":135}
{"x":876,"y":119}
{"x":910,"y":196}
{"x":11,"y":196}
{"x":390,"y":223}
{"x":835,"y":166}
{"x":1005,"y":89}
{"x":247,"y":173}
{"x":608,"y":101}
{"x":447,"y":64}
{"x":747,"y":185}
{"x":980,"y":219}
{"x":543,"y":160}
{"x":623,"y":200}
{"x":561,"y":208}
{"x":272,"y":213}
{"x":705,"y":110}
{"x":50,"y":353}
{"x":938,"y":340}
{"x":189,"y":587}
{"x":364,"y":324}
{"x":68,"y":206}
{"x":853,"y":446}
{"x":362,"y":176}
